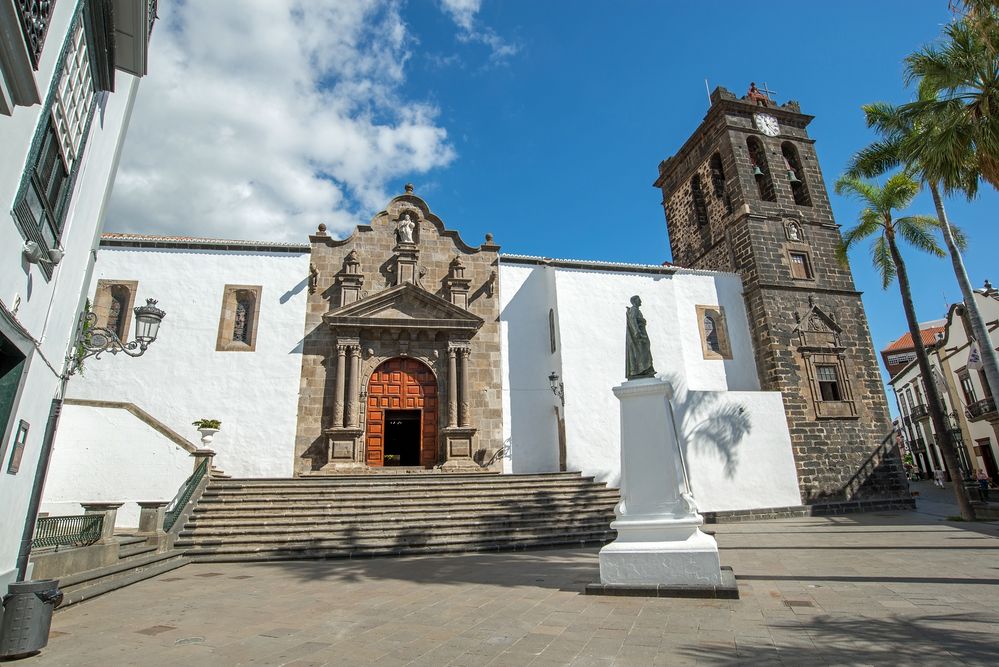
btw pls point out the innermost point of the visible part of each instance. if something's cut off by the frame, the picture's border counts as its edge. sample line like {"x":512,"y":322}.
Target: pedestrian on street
{"x":983,"y":484}
{"x":938,"y":478}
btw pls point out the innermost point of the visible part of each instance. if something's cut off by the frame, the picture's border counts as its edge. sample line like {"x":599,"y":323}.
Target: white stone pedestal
{"x":659,"y":543}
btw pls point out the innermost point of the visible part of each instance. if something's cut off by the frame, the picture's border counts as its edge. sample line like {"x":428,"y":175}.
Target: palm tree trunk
{"x":978,"y":329}
{"x":945,"y":438}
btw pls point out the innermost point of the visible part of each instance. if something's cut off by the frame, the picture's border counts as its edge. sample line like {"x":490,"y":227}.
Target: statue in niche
{"x":404,"y":230}
{"x":793,"y":231}
{"x":638,"y":350}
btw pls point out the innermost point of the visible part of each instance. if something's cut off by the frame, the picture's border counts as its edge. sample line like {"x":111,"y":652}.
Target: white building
{"x":125,"y":422}
{"x":969,"y":404}
{"x":69,"y":72}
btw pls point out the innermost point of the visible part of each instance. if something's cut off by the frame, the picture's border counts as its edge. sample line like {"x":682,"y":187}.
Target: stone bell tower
{"x":745,"y":194}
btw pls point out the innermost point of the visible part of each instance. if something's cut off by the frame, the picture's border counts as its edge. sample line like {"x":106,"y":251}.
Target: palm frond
{"x":876,"y":159}
{"x":916,"y":230}
{"x":883,"y":262}
{"x":859,"y":189}
{"x":898,"y":192}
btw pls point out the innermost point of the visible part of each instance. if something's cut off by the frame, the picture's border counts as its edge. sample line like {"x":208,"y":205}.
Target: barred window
{"x":711,"y":334}
{"x":244,"y":316}
{"x":118,"y":310}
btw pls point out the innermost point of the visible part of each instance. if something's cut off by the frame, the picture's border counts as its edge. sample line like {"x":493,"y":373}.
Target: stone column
{"x":341,"y":359}
{"x":463,"y":388}
{"x":201,"y":454}
{"x":110,"y":512}
{"x":452,"y":387}
{"x":352,"y":381}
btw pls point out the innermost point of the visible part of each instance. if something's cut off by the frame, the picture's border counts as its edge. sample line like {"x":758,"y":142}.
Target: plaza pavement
{"x":886,"y":588}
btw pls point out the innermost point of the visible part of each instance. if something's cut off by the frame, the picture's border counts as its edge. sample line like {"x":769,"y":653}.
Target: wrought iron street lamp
{"x":558,"y":388}
{"x":92,"y":340}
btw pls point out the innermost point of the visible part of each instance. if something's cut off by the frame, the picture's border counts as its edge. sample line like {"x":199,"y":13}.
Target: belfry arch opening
{"x":402,"y":415}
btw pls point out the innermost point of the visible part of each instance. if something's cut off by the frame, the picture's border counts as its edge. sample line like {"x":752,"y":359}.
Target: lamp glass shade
{"x":147,"y":321}
{"x":553,"y":379}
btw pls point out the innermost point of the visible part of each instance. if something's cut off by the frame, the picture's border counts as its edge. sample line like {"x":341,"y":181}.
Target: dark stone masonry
{"x":745,"y":194}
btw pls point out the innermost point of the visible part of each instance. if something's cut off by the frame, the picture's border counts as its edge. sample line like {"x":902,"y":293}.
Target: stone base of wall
{"x":824,"y":509}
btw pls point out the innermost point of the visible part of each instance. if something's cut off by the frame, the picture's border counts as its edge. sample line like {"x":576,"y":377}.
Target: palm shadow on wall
{"x":702,"y":425}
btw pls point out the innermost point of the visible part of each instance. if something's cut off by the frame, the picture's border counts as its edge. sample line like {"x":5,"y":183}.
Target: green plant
{"x":207,"y":423}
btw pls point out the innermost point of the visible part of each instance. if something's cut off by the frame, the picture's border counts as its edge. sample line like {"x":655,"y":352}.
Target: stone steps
{"x":374,"y":515}
{"x":129,"y":570}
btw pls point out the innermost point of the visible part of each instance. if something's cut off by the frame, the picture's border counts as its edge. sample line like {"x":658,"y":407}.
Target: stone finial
{"x":489,"y":237}
{"x":408,"y":188}
{"x":322,"y":229}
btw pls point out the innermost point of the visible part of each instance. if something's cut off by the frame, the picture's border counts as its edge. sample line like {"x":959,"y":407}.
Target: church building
{"x":404,"y":348}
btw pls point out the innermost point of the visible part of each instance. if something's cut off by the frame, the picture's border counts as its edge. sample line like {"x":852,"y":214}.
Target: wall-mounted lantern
{"x":92,"y":340}
{"x":558,"y":388}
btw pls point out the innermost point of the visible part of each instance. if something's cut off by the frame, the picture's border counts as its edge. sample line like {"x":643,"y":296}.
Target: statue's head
{"x":636,"y":301}
{"x":405,"y":216}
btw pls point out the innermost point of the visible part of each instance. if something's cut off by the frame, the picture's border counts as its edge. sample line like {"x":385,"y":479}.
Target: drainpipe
{"x":36,"y":490}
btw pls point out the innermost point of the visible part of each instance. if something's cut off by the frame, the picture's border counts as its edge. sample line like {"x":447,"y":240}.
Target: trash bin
{"x":27,"y":615}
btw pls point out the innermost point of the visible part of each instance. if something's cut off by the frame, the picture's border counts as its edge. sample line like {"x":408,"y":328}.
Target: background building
{"x":70,"y":72}
{"x":969,"y":405}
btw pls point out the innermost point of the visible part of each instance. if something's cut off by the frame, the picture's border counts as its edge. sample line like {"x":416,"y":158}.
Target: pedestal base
{"x":727,"y":590}
{"x":682,"y":555}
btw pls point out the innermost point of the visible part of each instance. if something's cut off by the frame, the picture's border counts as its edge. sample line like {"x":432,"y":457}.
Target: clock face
{"x":767,"y":124}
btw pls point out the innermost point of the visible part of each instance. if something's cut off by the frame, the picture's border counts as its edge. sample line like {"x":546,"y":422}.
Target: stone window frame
{"x":846,"y":407}
{"x":800,"y":249}
{"x":551,"y":330}
{"x":227,"y":319}
{"x":717,"y":313}
{"x":104,"y":297}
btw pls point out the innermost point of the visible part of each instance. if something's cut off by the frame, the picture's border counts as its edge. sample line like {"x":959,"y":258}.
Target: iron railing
{"x":74,"y":531}
{"x":151,"y":14}
{"x":176,"y":507}
{"x":980,"y":409}
{"x":920,"y":412}
{"x":35,"y":16}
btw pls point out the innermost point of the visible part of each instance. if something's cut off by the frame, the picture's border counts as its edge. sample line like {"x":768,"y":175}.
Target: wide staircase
{"x":382,"y":515}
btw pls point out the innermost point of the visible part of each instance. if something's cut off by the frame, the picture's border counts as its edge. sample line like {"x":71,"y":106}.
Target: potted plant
{"x":208,"y":428}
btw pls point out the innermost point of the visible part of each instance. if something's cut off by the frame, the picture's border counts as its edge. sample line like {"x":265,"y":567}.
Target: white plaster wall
{"x":530,"y":426}
{"x":182,"y":377}
{"x":48,"y":308}
{"x":741,"y":460}
{"x":737,"y":449}
{"x":112,"y":456}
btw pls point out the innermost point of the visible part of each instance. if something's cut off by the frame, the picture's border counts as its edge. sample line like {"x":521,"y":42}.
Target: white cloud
{"x":261,"y":119}
{"x":463,"y":12}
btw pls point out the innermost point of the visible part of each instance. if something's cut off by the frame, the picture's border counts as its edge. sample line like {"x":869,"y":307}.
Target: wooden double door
{"x":402,"y":415}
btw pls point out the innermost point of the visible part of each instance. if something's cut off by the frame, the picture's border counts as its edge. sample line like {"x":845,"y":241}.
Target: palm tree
{"x":878,"y":219}
{"x":963,"y":71}
{"x":915,"y":142}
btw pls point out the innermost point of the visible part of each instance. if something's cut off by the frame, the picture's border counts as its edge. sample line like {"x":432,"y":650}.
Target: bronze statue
{"x":638,"y":350}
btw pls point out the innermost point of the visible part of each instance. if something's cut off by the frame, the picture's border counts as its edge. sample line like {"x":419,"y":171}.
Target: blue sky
{"x":541,"y":122}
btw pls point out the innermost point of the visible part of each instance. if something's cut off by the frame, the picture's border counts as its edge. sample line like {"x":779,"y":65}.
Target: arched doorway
{"x":402,"y":415}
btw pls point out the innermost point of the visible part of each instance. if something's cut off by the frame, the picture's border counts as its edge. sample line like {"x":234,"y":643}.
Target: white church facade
{"x":404,"y":348}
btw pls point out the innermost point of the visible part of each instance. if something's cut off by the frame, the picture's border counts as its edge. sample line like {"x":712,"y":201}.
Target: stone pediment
{"x":816,"y":328}
{"x":404,"y":306}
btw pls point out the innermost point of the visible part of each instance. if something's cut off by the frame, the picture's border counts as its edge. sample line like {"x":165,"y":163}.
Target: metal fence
{"x":175,"y":508}
{"x":75,"y":531}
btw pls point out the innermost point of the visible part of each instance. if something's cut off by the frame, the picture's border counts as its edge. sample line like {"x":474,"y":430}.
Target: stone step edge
{"x":395,"y":499}
{"x":606,"y":517}
{"x":388,"y":477}
{"x":328,"y":521}
{"x":409,"y":490}
{"x":81,"y":593}
{"x":110,"y":570}
{"x":232,"y":556}
{"x":380,"y":542}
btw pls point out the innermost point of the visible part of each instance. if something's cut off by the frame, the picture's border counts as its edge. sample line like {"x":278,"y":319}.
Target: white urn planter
{"x":207,"y":435}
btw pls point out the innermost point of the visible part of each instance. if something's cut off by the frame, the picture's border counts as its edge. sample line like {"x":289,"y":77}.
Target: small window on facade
{"x":828,"y":379}
{"x":551,"y":328}
{"x":700,"y":208}
{"x":761,"y":170}
{"x":795,"y":174}
{"x":714,"y":332}
{"x":243,"y":317}
{"x":967,"y":388}
{"x":800,"y":267}
{"x":118,"y":311}
{"x":238,"y":322}
{"x":711,"y":333}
